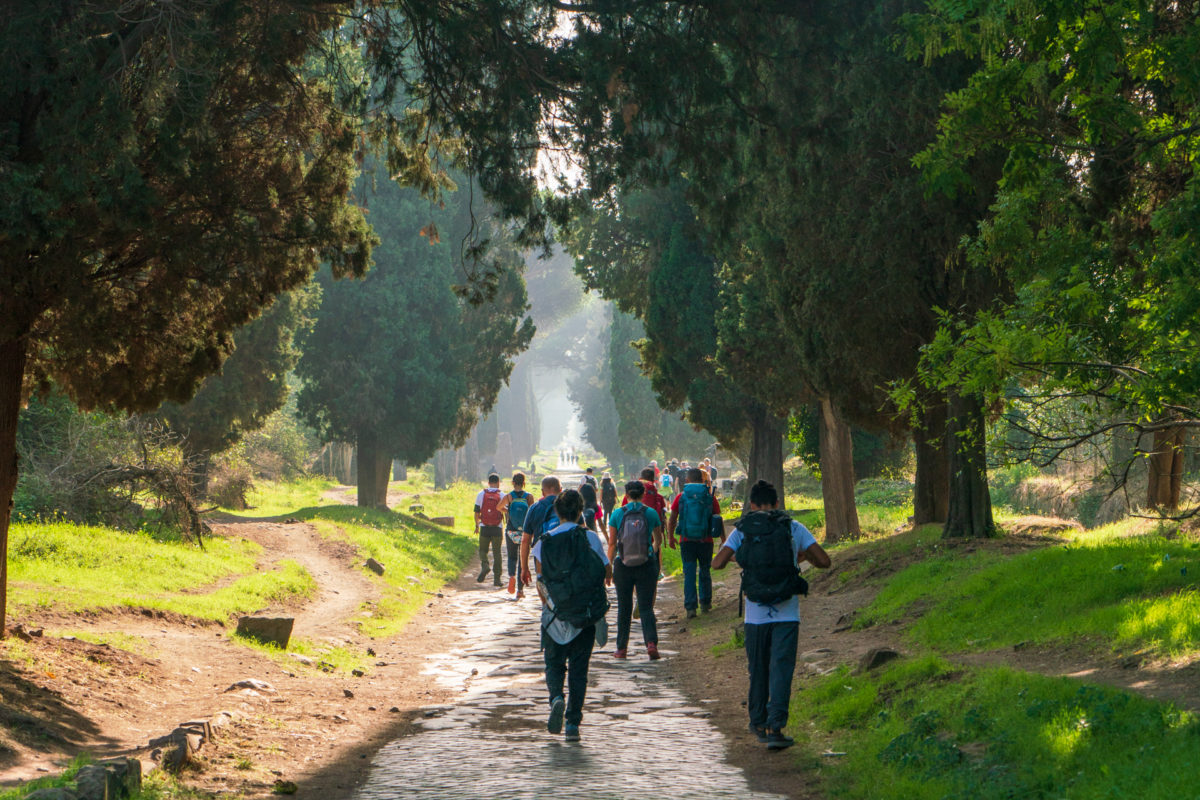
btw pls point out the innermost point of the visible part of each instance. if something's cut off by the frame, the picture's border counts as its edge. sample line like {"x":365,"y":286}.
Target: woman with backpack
{"x":608,"y":499}
{"x":634,"y":542}
{"x":515,"y":506}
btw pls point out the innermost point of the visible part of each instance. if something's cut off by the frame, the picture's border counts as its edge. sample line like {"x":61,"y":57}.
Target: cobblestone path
{"x":641,"y":737}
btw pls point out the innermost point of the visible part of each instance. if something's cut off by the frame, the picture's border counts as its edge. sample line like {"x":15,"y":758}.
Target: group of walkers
{"x":583,"y":540}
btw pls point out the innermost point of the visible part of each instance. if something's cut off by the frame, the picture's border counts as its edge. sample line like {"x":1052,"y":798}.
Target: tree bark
{"x":837,"y":475}
{"x":12,"y":371}
{"x":931,"y":486}
{"x":374,"y":467}
{"x":198,"y":465}
{"x":766,"y":451}
{"x":970,"y":510}
{"x":1166,"y":470}
{"x":399,"y":470}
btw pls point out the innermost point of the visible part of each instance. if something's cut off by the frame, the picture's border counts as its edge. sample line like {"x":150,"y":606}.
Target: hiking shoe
{"x":761,"y":733}
{"x":557,"y":708}
{"x":512,"y":584}
{"x":652,"y":651}
{"x":706,"y":608}
{"x":571,"y":734}
{"x":777,"y":741}
{"x":691,"y":613}
{"x":520,"y":595}
{"x":620,"y":654}
{"x":483,"y":573}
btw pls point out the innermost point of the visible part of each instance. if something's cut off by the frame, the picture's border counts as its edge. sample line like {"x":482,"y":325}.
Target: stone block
{"x":268,"y":630}
{"x":876,"y":657}
{"x":53,"y":793}
{"x":445,"y":522}
{"x":374,"y":566}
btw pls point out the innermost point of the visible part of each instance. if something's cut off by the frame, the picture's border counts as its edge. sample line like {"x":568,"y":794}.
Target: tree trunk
{"x":198,"y":466}
{"x":970,"y":510}
{"x":399,"y":470}
{"x":1166,"y":470}
{"x":931,"y":489}
{"x":12,"y":371}
{"x":837,"y":475}
{"x":766,"y":452}
{"x":374,"y":466}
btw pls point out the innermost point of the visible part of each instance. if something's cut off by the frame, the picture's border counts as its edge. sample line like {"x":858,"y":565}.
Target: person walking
{"x":540,"y":519}
{"x":608,"y":498}
{"x":489,"y":520}
{"x":635,"y":535}
{"x":768,"y":546}
{"x":692,"y":516}
{"x":572,"y":570}
{"x":591,"y":504}
{"x":651,"y":498}
{"x":515,"y":506}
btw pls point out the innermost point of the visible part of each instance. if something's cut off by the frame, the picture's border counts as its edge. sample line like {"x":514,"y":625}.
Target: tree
{"x":1093,"y":110}
{"x":397,"y":362}
{"x":251,"y":386}
{"x":168,"y":170}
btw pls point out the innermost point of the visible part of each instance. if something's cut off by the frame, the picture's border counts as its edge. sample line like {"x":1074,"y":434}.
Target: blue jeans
{"x":771,"y":653}
{"x":696,"y":556}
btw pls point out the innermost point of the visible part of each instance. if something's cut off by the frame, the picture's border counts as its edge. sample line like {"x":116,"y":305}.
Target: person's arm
{"x":723,"y":557}
{"x":815,"y":555}
{"x":477,"y":518}
{"x":671,"y":523}
{"x":612,"y":551}
{"x":526,"y":544}
{"x":717,"y":512}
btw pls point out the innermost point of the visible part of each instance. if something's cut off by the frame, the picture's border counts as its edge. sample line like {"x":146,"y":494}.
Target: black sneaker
{"x":691,"y":613}
{"x":761,"y":733}
{"x":706,"y":608}
{"x":571,"y":734}
{"x":557,"y":708}
{"x":777,"y":741}
{"x":483,"y":573}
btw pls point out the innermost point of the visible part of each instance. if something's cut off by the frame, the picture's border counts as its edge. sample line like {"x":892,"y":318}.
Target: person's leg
{"x":645,"y":581}
{"x":497,"y":543}
{"x":483,"y":555}
{"x":623,"y":581}
{"x":758,"y":657}
{"x":704,"y":554}
{"x":687,"y":552}
{"x":784,"y":641}
{"x":579,"y":654}
{"x":555,"y":656}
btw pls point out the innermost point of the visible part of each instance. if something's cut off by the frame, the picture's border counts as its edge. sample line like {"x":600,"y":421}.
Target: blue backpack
{"x":518,"y":507}
{"x":695,"y":512}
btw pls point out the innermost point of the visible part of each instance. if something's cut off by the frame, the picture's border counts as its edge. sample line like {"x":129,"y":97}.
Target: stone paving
{"x":641,"y":737}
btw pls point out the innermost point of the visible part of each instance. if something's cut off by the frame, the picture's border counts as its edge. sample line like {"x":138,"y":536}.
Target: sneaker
{"x":759,"y":732}
{"x":652,"y":651}
{"x":512,"y":584}
{"x":777,"y":741}
{"x":620,"y":654}
{"x":571,"y":734}
{"x":557,"y":708}
{"x":691,"y":612}
{"x":520,"y":595}
{"x":706,"y":608}
{"x":483,"y":573}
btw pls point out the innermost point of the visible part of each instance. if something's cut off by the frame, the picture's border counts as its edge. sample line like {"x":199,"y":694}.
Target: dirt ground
{"x":60,"y":695}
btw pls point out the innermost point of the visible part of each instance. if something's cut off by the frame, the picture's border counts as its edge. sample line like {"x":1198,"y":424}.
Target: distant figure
{"x":608,"y":498}
{"x":515,"y":505}
{"x":488,"y":521}
{"x":692,"y":516}
{"x":772,"y":587}
{"x":634,"y":545}
{"x":589,"y":476}
{"x":572,"y":570}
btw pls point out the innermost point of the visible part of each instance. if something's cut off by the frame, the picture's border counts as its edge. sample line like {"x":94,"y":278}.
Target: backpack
{"x":695,"y":512}
{"x":573,"y":576}
{"x":634,"y":537}
{"x":608,"y":494}
{"x":518,"y":508}
{"x":652,"y":499}
{"x":589,"y":495}
{"x":549,"y":522}
{"x":489,"y":510}
{"x":769,"y":573}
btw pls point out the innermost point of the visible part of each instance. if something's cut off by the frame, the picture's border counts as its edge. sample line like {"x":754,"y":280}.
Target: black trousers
{"x":771,"y":651}
{"x":645,"y":580}
{"x":569,"y":661}
{"x":490,"y":539}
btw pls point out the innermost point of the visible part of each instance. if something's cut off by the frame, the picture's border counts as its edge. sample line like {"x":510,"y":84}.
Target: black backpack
{"x":573,"y":575}
{"x":769,"y":572}
{"x":608,"y":493}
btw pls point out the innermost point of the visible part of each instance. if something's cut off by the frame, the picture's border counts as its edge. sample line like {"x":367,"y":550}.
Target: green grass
{"x":128,"y":642}
{"x":1129,"y":592}
{"x":158,"y":785}
{"x":279,"y":498}
{"x":70,"y":567}
{"x":923,"y":729}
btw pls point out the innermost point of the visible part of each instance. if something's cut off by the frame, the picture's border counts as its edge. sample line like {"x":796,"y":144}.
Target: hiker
{"x":591,"y":504}
{"x":768,"y":545}
{"x":634,"y":543}
{"x":572,"y":571}
{"x":693,"y":515}
{"x":515,"y":506}
{"x":664,"y":484}
{"x":608,"y":498}
{"x":540,"y":519}
{"x":489,"y":520}
{"x":589,"y":476}
{"x":651,"y":498}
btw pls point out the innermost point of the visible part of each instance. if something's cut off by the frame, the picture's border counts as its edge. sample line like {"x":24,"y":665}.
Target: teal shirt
{"x":652,"y":519}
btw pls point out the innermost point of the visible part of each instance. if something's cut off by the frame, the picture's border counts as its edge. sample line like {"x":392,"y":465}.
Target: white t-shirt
{"x":788,"y":610}
{"x":557,"y":629}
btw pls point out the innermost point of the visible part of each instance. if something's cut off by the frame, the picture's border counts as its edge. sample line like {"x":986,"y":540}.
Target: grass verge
{"x":278,"y":498}
{"x":924,"y":729}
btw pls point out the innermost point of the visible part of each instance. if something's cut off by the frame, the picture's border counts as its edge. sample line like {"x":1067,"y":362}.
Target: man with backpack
{"x":651,"y":498}
{"x":572,"y":571}
{"x":768,"y":545}
{"x":634,"y":542}
{"x":515,"y":506}
{"x":540,"y":519}
{"x":489,"y":520}
{"x":695,"y":514}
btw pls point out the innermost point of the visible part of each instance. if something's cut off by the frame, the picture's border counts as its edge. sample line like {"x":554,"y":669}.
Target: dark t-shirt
{"x":589,"y":495}
{"x":537,"y":515}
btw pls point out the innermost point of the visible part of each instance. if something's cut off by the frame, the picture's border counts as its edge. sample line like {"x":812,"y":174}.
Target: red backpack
{"x":489,"y":511}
